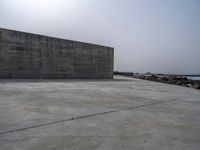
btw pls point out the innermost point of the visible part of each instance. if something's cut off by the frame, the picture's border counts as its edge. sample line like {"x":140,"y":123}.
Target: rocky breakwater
{"x":176,"y":80}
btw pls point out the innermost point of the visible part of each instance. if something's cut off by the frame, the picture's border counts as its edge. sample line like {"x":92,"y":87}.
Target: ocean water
{"x":194,"y":78}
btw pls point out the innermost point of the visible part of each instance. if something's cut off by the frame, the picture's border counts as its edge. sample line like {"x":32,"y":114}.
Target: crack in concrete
{"x":86,"y":116}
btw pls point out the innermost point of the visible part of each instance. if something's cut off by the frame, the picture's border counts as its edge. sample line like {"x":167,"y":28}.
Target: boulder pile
{"x":177,"y":80}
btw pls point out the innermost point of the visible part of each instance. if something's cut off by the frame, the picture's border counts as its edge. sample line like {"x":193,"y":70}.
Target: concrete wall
{"x":25,"y":55}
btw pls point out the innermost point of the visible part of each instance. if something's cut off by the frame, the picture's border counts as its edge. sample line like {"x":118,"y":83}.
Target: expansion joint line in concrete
{"x":86,"y":116}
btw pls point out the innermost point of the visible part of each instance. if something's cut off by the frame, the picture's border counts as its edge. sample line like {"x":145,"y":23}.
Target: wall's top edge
{"x":55,"y":37}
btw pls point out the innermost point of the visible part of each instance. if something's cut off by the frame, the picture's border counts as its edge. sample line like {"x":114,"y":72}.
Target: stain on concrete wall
{"x":25,"y":55}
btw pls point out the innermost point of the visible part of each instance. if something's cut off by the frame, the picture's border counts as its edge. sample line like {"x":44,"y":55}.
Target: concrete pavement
{"x":124,"y":113}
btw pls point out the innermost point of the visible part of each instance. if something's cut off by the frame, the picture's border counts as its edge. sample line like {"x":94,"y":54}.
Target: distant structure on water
{"x":25,"y":55}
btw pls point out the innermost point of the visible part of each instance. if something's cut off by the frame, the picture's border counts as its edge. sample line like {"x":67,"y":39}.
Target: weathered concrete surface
{"x":25,"y":55}
{"x":124,"y":113}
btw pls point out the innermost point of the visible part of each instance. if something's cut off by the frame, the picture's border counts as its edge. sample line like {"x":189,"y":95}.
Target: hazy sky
{"x":148,"y":35}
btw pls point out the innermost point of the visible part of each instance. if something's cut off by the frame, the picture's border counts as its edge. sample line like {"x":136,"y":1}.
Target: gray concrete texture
{"x":119,"y":114}
{"x":25,"y":55}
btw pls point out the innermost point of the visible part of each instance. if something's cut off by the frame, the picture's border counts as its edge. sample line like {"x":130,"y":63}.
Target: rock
{"x":172,"y":81}
{"x":179,"y":80}
{"x":180,"y":83}
{"x":196,"y":86}
{"x":165,"y":79}
{"x":189,"y":85}
{"x":152,"y":78}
